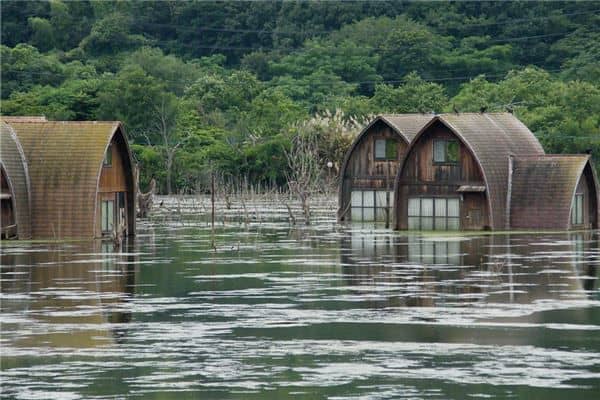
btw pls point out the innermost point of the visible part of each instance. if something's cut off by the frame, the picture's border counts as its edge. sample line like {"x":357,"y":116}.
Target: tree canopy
{"x":224,"y":86}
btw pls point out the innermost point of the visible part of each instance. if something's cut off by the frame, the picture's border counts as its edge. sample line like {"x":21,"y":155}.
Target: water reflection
{"x":435,"y":270}
{"x":66,"y":296}
{"x":267,"y":311}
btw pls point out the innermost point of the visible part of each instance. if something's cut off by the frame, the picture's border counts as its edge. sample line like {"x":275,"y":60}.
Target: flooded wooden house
{"x":371,"y":164}
{"x":80,"y":177}
{"x":487,"y":171}
{"x":15,"y":220}
{"x":553,"y":191}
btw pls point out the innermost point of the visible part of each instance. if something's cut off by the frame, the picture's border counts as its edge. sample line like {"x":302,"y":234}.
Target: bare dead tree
{"x":145,"y":200}
{"x":304,"y":176}
{"x":165,"y":125}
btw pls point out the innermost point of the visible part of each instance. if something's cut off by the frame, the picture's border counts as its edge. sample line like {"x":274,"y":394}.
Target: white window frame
{"x":433,"y":213}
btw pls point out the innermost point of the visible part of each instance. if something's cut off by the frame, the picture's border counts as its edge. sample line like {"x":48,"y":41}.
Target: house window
{"x":108,"y":156}
{"x":108,"y":216}
{"x":434,"y":213}
{"x":371,"y":205}
{"x":577,"y":210}
{"x":386,"y":149}
{"x":445,"y":151}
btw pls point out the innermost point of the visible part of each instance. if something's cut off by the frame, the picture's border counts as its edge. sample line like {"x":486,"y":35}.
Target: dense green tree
{"x":224,"y":87}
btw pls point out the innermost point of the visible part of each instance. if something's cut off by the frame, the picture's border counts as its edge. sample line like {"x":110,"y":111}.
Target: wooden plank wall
{"x":421,"y":177}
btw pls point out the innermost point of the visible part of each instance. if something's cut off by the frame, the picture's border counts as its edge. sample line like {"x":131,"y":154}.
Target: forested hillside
{"x":224,"y":86}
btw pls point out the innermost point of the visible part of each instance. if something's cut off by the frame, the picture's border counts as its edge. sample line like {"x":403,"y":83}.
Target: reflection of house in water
{"x":430,"y":271}
{"x":82,"y":288}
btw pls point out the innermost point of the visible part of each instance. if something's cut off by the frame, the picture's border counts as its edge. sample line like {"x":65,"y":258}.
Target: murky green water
{"x":269,"y":312}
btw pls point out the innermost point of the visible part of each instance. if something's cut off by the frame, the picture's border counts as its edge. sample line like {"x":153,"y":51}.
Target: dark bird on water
{"x":483,"y":109}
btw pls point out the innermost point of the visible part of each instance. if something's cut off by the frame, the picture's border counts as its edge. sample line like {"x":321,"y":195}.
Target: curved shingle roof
{"x":14,"y":163}
{"x":65,"y":162}
{"x":543,"y":189}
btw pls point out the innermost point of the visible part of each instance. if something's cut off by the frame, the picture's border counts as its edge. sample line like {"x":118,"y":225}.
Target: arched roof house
{"x":15,"y":194}
{"x":81,"y":177}
{"x":455,"y":174}
{"x":370,"y":165}
{"x":553,"y":192}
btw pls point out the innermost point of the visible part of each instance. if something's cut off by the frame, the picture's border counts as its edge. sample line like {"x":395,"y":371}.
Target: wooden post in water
{"x":212,"y":200}
{"x":387,"y":196}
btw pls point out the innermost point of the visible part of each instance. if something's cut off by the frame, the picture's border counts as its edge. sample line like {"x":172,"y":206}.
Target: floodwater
{"x":258,"y":309}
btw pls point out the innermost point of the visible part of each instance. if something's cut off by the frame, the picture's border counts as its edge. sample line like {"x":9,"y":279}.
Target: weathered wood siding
{"x":363,"y":171}
{"x":421,"y":177}
{"x":590,"y":206}
{"x":115,"y":178}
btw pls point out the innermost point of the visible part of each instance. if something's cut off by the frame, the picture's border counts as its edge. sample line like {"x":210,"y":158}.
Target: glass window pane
{"x":580,"y":209}
{"x":440,"y":223}
{"x":427,"y":223}
{"x":452,"y":151}
{"x":391,"y":149}
{"x":368,"y":214}
{"x":427,"y":207}
{"x":440,"y":207}
{"x":368,"y":198}
{"x":356,"y":213}
{"x":414,"y":207}
{"x":356,"y":199}
{"x":110,"y":213}
{"x":413,"y":223}
{"x":380,"y":148}
{"x":453,"y":207}
{"x":103,"y":217}
{"x":381,"y":213}
{"x":439,"y":150}
{"x":380,"y":200}
{"x":453,"y":224}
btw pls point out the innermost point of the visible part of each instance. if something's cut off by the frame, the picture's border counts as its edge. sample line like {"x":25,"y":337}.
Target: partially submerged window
{"x":386,"y":149}
{"x":108,"y":156}
{"x":577,"y":210}
{"x":434,"y":213}
{"x":108,"y":216}
{"x":445,"y":151}
{"x":371,"y":205}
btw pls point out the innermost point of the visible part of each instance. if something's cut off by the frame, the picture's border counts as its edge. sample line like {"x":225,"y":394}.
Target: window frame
{"x":106,"y":225}
{"x":107,"y":161}
{"x":389,"y":144}
{"x":374,"y":205}
{"x":577,"y":210}
{"x":433,"y":222}
{"x":447,"y":143}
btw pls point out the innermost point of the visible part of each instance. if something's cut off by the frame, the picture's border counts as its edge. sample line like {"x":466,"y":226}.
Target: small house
{"x":480,"y":171}
{"x":371,"y":164}
{"x":80,"y":177}
{"x":15,"y":221}
{"x":553,"y":192}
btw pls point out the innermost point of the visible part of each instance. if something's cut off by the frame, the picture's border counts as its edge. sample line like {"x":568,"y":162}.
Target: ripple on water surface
{"x":265,"y":310}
